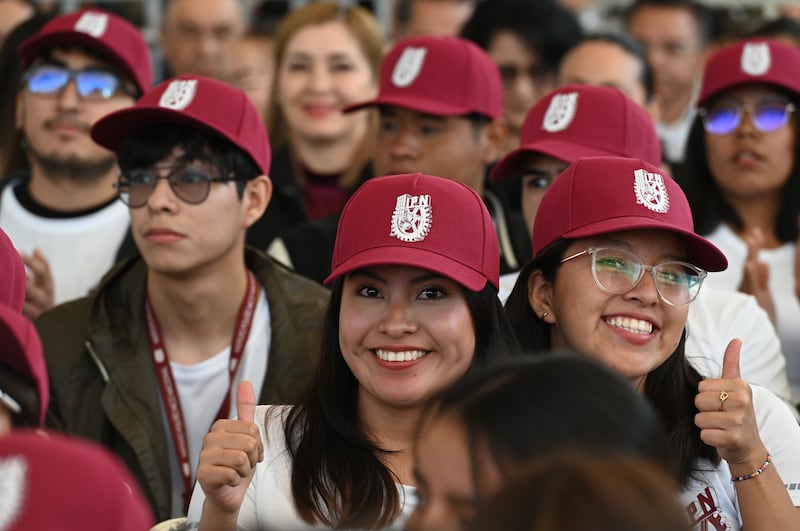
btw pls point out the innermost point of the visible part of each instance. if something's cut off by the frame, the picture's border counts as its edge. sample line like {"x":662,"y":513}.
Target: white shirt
{"x":268,"y":504}
{"x":781,"y":286}
{"x":80,"y":250}
{"x":711,"y":501}
{"x":202,"y":387}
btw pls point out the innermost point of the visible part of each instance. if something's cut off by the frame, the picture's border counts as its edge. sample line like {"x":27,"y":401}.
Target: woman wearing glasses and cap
{"x":413,"y":308}
{"x":743,"y":182}
{"x":615,"y":265}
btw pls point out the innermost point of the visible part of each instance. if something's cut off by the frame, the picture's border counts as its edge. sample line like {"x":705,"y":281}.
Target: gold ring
{"x":723,"y":396}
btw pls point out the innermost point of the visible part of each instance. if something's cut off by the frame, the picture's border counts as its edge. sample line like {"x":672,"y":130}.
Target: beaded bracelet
{"x":757,"y":472}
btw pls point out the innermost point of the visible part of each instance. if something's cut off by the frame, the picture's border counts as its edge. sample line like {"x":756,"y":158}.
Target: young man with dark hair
{"x":149,"y":361}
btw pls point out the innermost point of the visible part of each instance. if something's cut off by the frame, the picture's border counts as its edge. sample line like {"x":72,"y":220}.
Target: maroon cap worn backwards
{"x":12,"y":271}
{"x":50,"y":481}
{"x":420,"y":221}
{"x":754,"y":60}
{"x":99,"y":30}
{"x":584,"y":121}
{"x":21,"y":350}
{"x":439,"y":75}
{"x":196,"y":101}
{"x":599,"y":195}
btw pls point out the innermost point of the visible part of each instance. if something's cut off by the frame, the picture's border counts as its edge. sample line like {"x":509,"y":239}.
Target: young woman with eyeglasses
{"x":615,"y":265}
{"x":743,"y":182}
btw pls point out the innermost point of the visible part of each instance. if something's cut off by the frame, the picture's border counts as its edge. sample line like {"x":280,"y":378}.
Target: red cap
{"x":50,"y":481}
{"x":12,"y":271}
{"x":21,"y":350}
{"x":754,"y":60}
{"x":584,"y":121}
{"x":419,"y":221}
{"x":98,"y":30}
{"x":599,"y":195}
{"x":439,"y":75}
{"x":196,"y":101}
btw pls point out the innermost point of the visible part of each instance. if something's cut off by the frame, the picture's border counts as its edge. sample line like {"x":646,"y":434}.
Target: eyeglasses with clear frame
{"x":190,"y":182}
{"x":618,"y":271}
{"x":766,"y":115}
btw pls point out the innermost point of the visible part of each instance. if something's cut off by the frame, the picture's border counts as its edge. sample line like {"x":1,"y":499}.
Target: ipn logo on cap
{"x":408,"y":66}
{"x":756,"y":58}
{"x":13,"y":487}
{"x":179,"y":94}
{"x":411,"y":220}
{"x":93,"y":24}
{"x":560,"y":112}
{"x":651,"y":191}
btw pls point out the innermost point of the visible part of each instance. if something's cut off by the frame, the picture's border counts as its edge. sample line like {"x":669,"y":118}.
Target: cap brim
{"x":699,"y":250}
{"x":569,"y":152}
{"x":405,"y":256}
{"x":415,"y":103}
{"x":113,"y":128}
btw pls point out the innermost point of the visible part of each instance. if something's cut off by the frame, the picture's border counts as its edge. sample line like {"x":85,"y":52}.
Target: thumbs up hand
{"x":229,"y":456}
{"x":726,"y":417}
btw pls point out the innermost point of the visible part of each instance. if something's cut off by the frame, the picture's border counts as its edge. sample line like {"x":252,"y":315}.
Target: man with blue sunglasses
{"x":62,"y":215}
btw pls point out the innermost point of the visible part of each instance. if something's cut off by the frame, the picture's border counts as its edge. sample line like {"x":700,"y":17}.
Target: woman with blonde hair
{"x":326,"y":57}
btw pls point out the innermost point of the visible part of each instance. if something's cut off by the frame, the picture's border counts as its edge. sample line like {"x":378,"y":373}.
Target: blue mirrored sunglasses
{"x":766,"y":116}
{"x":92,"y":84}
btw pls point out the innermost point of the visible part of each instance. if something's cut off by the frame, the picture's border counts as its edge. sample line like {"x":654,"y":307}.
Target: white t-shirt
{"x":202,"y":387}
{"x":781,"y":286}
{"x":711,"y":502}
{"x":268,"y":504}
{"x":80,"y":250}
{"x":716,"y":317}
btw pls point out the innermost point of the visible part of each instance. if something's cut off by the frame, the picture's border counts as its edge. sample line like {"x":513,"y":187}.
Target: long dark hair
{"x":671,"y":387}
{"x":709,"y":207}
{"x":337,"y":476}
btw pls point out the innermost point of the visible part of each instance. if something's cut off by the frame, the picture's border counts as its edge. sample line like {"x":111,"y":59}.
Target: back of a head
{"x":50,"y":481}
{"x":578,"y":492}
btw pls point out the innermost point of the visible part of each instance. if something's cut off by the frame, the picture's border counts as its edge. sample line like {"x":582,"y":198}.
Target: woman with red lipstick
{"x":326,"y":58}
{"x":615,"y":265}
{"x":743,"y":182}
{"x":413,"y":308}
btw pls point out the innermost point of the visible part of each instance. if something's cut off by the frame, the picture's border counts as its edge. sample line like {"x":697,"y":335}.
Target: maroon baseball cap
{"x":99,"y":30}
{"x":12,"y":271}
{"x":195,"y":101}
{"x":21,"y":351}
{"x":598,"y":195}
{"x":50,"y":481}
{"x":439,"y":75}
{"x":754,"y":60}
{"x":420,"y":221}
{"x":584,"y":121}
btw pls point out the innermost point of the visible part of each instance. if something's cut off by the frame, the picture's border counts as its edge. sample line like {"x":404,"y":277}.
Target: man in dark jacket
{"x":148,"y":362}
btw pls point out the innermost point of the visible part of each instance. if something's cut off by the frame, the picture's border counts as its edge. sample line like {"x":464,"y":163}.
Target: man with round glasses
{"x":150,"y":360}
{"x":63,"y":216}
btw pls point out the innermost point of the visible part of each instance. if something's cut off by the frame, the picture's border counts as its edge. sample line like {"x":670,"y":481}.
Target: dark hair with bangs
{"x":671,"y":387}
{"x":146,"y":147}
{"x":710,"y":208}
{"x":338,"y":478}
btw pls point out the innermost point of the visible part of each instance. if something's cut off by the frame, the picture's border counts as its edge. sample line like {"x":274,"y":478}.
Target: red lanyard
{"x":169,"y":392}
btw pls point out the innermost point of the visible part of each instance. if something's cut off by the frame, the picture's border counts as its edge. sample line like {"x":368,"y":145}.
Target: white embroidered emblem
{"x":651,"y":191}
{"x":411,"y":220}
{"x":94,"y":24}
{"x":13,"y":488}
{"x":756,"y":58}
{"x":179,"y":94}
{"x":408,"y":66}
{"x":560,"y":112}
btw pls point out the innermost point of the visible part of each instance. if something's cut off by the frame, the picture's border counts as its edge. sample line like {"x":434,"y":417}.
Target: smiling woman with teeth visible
{"x":615,"y":265}
{"x":413,"y":309}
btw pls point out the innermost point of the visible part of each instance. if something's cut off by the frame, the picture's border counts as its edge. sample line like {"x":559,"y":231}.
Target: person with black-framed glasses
{"x":148,"y":362}
{"x":62,"y":215}
{"x":742,"y":178}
